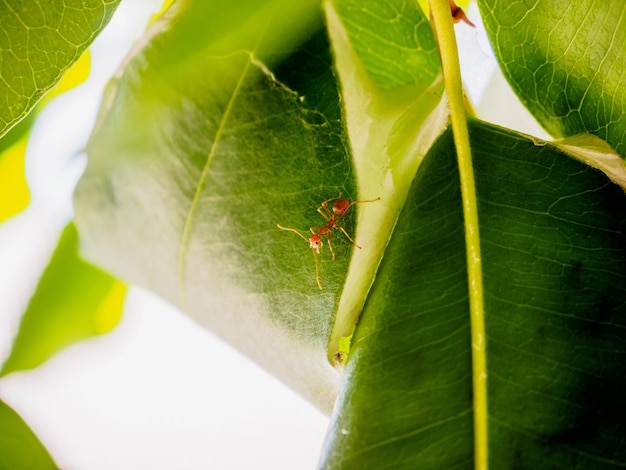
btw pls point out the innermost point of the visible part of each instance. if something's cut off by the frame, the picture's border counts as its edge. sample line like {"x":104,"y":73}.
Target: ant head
{"x":315,"y":242}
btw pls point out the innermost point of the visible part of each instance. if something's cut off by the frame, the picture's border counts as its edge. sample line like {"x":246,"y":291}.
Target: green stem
{"x":444,"y":31}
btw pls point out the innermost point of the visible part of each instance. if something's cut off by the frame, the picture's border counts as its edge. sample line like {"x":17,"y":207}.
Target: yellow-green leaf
{"x":74,"y":300}
{"x":39,"y":41}
{"x":19,"y":447}
{"x":14,"y":193}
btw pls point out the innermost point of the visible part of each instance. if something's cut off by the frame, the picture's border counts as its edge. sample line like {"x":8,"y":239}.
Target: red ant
{"x":458,"y":14}
{"x":339,"y":210}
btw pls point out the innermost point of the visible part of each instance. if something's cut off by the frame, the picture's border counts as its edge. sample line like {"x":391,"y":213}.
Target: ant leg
{"x":365,"y":200}
{"x":327,"y":214}
{"x":343,"y":230}
{"x":324,"y":212}
{"x":330,"y":246}
{"x":353,"y":203}
{"x":325,"y":203}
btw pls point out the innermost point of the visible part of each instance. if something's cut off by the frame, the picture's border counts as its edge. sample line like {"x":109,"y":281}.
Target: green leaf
{"x":19,"y":447}
{"x":565,"y":60}
{"x":391,"y":123}
{"x":39,"y":41}
{"x":195,"y":160}
{"x":553,"y":243}
{"x":393,"y":39}
{"x":14,"y":192}
{"x":73,"y":301}
{"x":203,"y":146}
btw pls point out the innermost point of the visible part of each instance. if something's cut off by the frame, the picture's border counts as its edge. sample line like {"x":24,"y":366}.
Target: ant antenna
{"x":315,"y":248}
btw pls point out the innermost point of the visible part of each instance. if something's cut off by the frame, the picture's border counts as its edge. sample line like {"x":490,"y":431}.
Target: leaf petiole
{"x":444,"y":33}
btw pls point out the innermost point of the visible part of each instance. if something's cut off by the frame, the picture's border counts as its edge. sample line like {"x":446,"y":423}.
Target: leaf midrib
{"x":184,"y":244}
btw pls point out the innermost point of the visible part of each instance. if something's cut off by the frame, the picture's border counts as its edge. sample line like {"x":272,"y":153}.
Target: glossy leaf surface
{"x":565,"y":60}
{"x":73,"y":300}
{"x":393,"y":39}
{"x":39,"y":41}
{"x":19,"y":447}
{"x":553,"y":239}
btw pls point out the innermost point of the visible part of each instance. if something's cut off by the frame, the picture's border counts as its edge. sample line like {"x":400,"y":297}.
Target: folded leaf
{"x":204,"y":146}
{"x":393,"y":39}
{"x":74,"y":300}
{"x":392,"y":115}
{"x":565,"y":60}
{"x":39,"y":41}
{"x":19,"y":447}
{"x":200,"y":152}
{"x":553,"y":243}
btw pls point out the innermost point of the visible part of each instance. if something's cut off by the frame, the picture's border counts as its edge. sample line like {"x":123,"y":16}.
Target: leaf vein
{"x":184,"y":244}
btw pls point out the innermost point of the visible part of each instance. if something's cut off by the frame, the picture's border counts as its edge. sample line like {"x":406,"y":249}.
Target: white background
{"x":157,"y":392}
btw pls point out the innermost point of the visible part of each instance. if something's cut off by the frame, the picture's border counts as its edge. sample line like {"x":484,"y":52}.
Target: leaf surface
{"x":391,"y":121}
{"x":14,"y":192}
{"x":393,"y":39}
{"x":200,"y":151}
{"x":39,"y":41}
{"x":203,"y":147}
{"x":553,"y":241}
{"x":19,"y":447}
{"x":73,"y":301}
{"x":565,"y":60}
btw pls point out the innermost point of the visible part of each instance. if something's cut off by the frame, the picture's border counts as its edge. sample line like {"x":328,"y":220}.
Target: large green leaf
{"x":39,"y":41}
{"x":200,"y":151}
{"x":204,"y":146}
{"x":565,"y":60}
{"x":553,"y":239}
{"x":19,"y":447}
{"x":74,"y":300}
